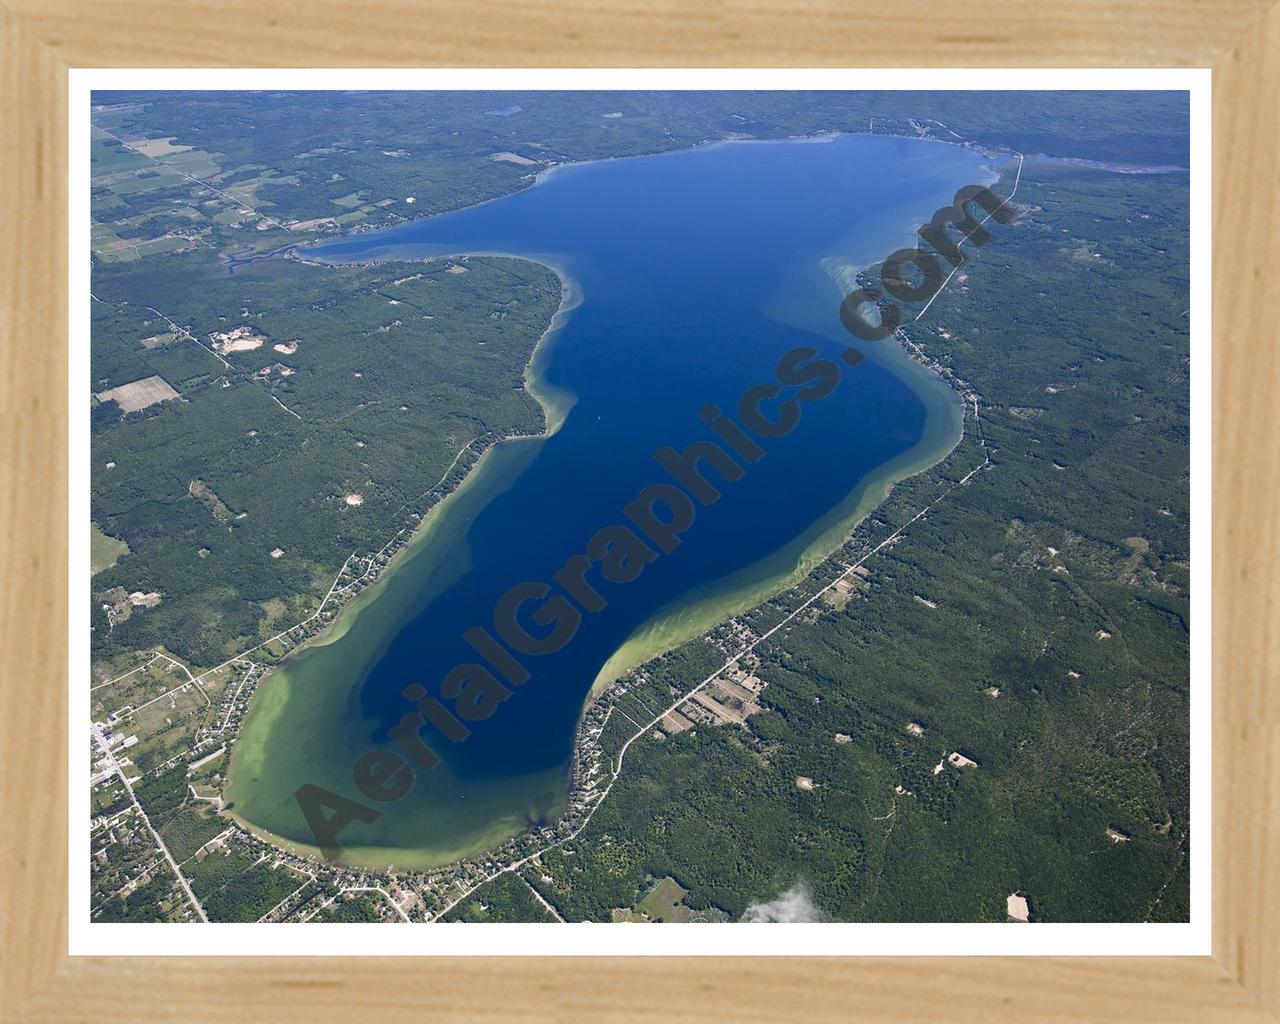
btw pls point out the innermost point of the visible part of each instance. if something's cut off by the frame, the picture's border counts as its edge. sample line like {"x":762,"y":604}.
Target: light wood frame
{"x":41,"y":39}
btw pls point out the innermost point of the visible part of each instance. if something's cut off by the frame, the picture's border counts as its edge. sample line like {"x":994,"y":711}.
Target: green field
{"x":104,"y":551}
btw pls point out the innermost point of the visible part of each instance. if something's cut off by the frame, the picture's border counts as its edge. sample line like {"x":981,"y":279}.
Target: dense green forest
{"x":505,"y":899}
{"x":364,"y":386}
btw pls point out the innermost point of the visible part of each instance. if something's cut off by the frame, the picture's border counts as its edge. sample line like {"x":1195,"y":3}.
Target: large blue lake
{"x":692,"y":274}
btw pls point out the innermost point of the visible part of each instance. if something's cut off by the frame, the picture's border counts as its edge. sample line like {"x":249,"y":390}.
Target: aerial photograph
{"x":638,"y":507}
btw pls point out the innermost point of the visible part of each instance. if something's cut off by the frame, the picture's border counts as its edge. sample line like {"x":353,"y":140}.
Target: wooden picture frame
{"x":42,"y":39}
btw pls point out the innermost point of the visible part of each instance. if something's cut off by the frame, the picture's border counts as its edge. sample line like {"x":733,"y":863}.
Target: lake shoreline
{"x":555,"y":404}
{"x":706,"y":605}
{"x":668,"y":627}
{"x":724,"y":599}
{"x":291,"y":250}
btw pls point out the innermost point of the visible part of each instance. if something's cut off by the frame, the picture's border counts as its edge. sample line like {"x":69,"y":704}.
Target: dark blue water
{"x":683,"y":264}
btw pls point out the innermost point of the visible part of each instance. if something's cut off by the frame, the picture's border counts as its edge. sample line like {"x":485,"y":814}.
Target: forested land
{"x":385,"y":374}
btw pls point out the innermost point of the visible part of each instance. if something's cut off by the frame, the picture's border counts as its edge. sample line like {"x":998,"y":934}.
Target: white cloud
{"x":793,"y":906}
